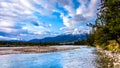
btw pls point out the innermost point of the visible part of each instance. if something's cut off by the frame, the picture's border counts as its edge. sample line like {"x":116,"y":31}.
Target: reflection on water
{"x":78,"y":58}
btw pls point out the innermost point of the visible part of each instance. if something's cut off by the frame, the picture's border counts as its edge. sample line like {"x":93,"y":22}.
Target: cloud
{"x":84,"y":13}
{"x":87,"y":10}
{"x":7,"y":38}
{"x":20,"y":17}
{"x":67,"y":5}
{"x":72,"y":22}
{"x":17,"y":16}
{"x":78,"y":30}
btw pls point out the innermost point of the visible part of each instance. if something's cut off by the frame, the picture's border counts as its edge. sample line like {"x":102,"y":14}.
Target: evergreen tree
{"x":107,"y":26}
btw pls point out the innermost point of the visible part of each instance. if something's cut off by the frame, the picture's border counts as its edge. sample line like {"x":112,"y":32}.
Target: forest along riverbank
{"x":34,"y":49}
{"x":108,"y":59}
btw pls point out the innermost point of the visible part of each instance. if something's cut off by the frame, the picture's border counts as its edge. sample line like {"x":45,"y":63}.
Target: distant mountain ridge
{"x":62,"y":38}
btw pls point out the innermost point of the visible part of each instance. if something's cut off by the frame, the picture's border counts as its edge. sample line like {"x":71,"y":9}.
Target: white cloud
{"x":7,"y":23}
{"x":7,"y":38}
{"x":71,"y":11}
{"x":84,"y":13}
{"x":80,"y":30}
{"x":72,"y":22}
{"x":16,"y":16}
{"x":77,"y":30}
{"x":7,"y":29}
{"x":65,"y":2}
{"x":26,"y":4}
{"x":89,"y":10}
{"x":92,"y":8}
{"x":35,"y":30}
{"x":82,"y":9}
{"x":66,"y":22}
{"x":68,"y":5}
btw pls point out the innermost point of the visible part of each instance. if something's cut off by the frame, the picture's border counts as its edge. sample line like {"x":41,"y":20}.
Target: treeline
{"x":106,"y":30}
{"x":15,"y":44}
{"x":12,"y":44}
{"x":81,"y":42}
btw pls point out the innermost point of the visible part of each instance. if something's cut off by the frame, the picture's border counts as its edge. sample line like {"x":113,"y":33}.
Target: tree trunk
{"x":117,"y":41}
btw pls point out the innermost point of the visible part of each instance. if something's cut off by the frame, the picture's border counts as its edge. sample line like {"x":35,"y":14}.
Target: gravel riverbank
{"x":113,"y":58}
{"x":33,"y":49}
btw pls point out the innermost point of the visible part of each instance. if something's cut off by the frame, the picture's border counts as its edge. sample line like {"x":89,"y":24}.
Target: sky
{"x":36,"y":19}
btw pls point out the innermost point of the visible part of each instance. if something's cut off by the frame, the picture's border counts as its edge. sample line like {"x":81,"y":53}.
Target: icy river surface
{"x":84,"y":57}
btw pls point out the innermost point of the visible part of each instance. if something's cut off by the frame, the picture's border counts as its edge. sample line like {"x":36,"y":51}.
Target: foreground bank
{"x":108,"y":59}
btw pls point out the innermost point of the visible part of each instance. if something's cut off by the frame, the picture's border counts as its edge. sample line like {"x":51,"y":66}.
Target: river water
{"x":77,"y":58}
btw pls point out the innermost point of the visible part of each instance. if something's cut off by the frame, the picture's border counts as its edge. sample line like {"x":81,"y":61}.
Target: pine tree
{"x":108,"y":22}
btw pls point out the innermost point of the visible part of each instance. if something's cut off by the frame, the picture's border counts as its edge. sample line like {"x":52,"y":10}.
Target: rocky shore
{"x":113,"y":58}
{"x":33,"y":49}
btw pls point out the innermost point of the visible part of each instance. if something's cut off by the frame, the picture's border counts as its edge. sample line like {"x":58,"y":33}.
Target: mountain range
{"x":62,"y":38}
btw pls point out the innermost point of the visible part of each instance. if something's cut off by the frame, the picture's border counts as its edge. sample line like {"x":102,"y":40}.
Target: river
{"x":84,"y":57}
